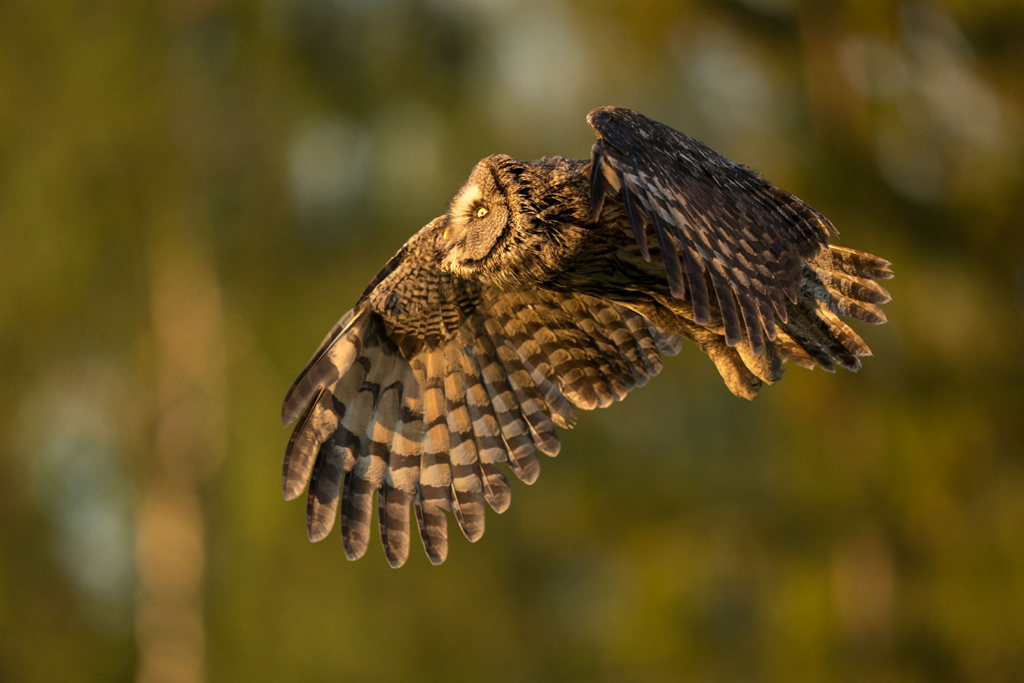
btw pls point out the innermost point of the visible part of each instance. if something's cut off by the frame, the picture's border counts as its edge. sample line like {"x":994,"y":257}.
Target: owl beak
{"x":444,"y":239}
{"x":443,"y":244}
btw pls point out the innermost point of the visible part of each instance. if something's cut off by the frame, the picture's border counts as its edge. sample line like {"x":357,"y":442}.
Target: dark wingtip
{"x":599,"y":115}
{"x":287,"y":414}
{"x":604,"y":114}
{"x":290,"y":409}
{"x":603,"y":121}
{"x":293,"y":406}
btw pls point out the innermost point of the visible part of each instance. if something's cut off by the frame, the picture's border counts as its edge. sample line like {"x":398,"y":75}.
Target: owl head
{"x":497,"y":229}
{"x":478,"y":221}
{"x":484,"y":222}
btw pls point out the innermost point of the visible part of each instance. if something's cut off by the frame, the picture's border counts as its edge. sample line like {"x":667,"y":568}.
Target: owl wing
{"x":711,"y":217}
{"x":431,"y":381}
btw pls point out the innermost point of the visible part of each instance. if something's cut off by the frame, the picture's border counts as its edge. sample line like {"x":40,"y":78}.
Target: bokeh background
{"x":193,"y":191}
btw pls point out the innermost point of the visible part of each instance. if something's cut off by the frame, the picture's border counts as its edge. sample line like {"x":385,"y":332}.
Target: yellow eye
{"x":481,"y":212}
{"x":445,"y":234}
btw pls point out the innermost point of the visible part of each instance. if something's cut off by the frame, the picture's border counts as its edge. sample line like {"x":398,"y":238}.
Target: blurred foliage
{"x":180,"y":181}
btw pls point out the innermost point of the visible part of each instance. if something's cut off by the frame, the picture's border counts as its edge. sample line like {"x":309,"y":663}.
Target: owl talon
{"x":737,"y":376}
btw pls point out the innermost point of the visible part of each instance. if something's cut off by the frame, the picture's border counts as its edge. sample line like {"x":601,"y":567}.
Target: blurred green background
{"x":192,"y":192}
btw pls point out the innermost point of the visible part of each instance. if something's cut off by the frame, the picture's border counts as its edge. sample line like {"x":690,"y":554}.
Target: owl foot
{"x":738,"y":377}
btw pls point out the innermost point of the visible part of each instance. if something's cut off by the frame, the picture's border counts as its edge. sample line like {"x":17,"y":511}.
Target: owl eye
{"x":445,"y":234}
{"x":481,"y":212}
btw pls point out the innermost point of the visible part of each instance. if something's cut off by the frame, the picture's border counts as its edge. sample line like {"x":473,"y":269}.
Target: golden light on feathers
{"x":552,"y":286}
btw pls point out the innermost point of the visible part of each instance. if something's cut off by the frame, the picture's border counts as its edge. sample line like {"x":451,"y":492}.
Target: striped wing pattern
{"x":430,"y":383}
{"x":714,"y":220}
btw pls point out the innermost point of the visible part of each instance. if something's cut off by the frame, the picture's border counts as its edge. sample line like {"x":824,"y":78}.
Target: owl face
{"x":496,"y":230}
{"x":477,"y":222}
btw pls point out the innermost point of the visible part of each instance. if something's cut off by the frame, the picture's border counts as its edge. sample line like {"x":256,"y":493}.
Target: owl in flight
{"x":549,"y":286}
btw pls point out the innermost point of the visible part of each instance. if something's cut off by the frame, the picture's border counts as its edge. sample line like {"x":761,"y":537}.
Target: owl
{"x":551,"y":286}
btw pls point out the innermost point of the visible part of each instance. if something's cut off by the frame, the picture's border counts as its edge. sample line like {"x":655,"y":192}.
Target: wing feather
{"x":356,"y":508}
{"x":614,"y":364}
{"x":431,"y":382}
{"x":467,"y":477}
{"x":363,"y":472}
{"x":433,"y":526}
{"x":314,"y":429}
{"x":393,"y":520}
{"x":721,"y":219}
{"x":635,"y":220}
{"x":625,"y":344}
{"x":538,"y":349}
{"x":522,"y":451}
{"x":335,"y":356}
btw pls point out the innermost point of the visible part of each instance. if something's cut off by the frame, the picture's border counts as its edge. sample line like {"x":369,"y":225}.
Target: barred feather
{"x":393,"y":520}
{"x":314,"y":429}
{"x":496,"y":488}
{"x":613,"y":364}
{"x":625,"y":349}
{"x":363,"y":468}
{"x":569,"y":349}
{"x":356,"y":508}
{"x":550,"y":360}
{"x":467,"y":477}
{"x":521,"y":448}
{"x":325,"y":487}
{"x":850,"y":340}
{"x":486,"y":431}
{"x":570,"y":333}
{"x":433,"y":526}
{"x":434,"y":489}
{"x":335,"y":356}
{"x":859,"y":264}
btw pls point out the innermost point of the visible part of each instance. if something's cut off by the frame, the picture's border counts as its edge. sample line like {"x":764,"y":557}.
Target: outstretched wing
{"x":430,"y":382}
{"x":711,"y":217}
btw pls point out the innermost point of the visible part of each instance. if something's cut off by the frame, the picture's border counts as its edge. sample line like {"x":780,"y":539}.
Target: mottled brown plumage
{"x":549,"y":286}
